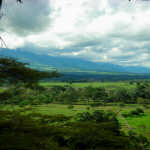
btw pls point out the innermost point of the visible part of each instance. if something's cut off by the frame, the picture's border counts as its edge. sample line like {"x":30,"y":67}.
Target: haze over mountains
{"x":46,"y":62}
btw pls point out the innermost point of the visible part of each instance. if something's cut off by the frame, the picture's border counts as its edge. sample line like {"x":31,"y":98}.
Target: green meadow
{"x":134,"y":122}
{"x":107,"y":85}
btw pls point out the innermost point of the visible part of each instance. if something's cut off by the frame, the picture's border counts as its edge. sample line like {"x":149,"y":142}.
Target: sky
{"x":114,"y":31}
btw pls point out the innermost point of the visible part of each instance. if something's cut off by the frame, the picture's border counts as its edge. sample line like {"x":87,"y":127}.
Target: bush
{"x":140,"y":110}
{"x":121,"y":104}
{"x":5,"y":95}
{"x":20,"y":104}
{"x":25,"y":102}
{"x":70,"y":107}
{"x":125,"y":115}
{"x":87,"y":108}
{"x":130,"y":82}
{"x":133,"y":113}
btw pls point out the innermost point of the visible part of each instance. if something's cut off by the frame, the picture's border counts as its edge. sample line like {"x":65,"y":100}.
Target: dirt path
{"x":129,"y":127}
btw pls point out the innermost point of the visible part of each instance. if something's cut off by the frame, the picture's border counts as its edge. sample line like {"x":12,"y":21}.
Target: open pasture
{"x":107,"y":85}
{"x":134,"y":122}
{"x":54,"y":109}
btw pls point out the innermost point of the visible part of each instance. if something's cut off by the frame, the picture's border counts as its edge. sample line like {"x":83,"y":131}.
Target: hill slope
{"x":46,"y":62}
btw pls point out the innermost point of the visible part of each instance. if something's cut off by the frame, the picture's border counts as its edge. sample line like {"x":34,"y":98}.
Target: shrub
{"x":87,"y":108}
{"x":140,"y":110}
{"x":20,"y":104}
{"x":70,"y":107}
{"x":121,"y":104}
{"x":133,"y":113}
{"x":125,"y":115}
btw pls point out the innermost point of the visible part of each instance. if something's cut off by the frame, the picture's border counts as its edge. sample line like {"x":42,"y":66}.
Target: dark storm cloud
{"x":30,"y":17}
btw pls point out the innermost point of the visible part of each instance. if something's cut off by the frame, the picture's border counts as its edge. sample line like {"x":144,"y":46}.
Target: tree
{"x":70,"y":81}
{"x":133,"y":112}
{"x":70,"y":107}
{"x":99,"y":93}
{"x":22,"y":131}
{"x":63,"y":97}
{"x":49,"y":98}
{"x":18,"y":74}
{"x":133,"y":94}
{"x":121,"y":94}
{"x":121,"y":104}
{"x":144,"y":103}
{"x":137,"y":83}
{"x":47,"y":101}
{"x":88,"y":93}
{"x":39,"y":88}
{"x":92,"y":105}
{"x":143,"y":91}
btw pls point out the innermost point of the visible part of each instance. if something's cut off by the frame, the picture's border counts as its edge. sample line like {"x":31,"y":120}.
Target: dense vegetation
{"x":81,"y":77}
{"x":99,"y":130}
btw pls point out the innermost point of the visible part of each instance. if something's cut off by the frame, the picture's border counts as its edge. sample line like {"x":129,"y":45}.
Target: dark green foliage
{"x":137,"y":83}
{"x":142,"y":101}
{"x":70,"y":107}
{"x":135,"y":140}
{"x":121,"y":104}
{"x":35,"y":131}
{"x":17,"y":73}
{"x":121,"y":94}
{"x":133,"y":95}
{"x":125,"y":115}
{"x":5,"y":95}
{"x":70,"y":81}
{"x":87,"y":108}
{"x":39,"y":88}
{"x":21,"y":104}
{"x":97,"y":117}
{"x":93,"y":105}
{"x":143,"y":91}
{"x":140,"y":110}
{"x":132,"y":113}
{"x":24,"y":132}
{"x":96,"y":136}
{"x":130,"y":82}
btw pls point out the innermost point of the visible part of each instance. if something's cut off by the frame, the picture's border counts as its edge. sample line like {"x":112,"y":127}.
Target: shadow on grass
{"x":136,"y":116}
{"x":140,"y":116}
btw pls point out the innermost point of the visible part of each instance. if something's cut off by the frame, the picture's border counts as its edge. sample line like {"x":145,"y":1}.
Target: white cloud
{"x":100,"y":30}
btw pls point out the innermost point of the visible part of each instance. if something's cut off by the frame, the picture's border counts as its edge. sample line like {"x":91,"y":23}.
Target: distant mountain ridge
{"x":46,"y":62}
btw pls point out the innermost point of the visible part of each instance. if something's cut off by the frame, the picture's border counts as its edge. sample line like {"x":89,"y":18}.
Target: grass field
{"x":107,"y":85}
{"x":54,"y":109}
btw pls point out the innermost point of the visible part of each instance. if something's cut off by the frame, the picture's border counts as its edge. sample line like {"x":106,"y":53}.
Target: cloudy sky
{"x":116,"y":31}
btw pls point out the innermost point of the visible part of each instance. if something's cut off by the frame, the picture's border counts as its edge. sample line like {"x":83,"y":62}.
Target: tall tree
{"x":18,"y":74}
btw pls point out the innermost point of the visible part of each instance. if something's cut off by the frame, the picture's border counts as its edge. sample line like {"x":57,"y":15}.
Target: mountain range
{"x":46,"y":62}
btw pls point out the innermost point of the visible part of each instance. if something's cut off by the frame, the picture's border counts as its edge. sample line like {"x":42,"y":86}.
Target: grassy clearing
{"x":107,"y":85}
{"x":134,"y":122}
{"x":54,"y":109}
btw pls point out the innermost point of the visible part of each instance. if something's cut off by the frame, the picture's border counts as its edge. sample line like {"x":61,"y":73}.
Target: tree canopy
{"x":18,"y":74}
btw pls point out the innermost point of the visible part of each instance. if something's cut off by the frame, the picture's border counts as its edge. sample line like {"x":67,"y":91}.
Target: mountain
{"x":46,"y":62}
{"x":130,"y":69}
